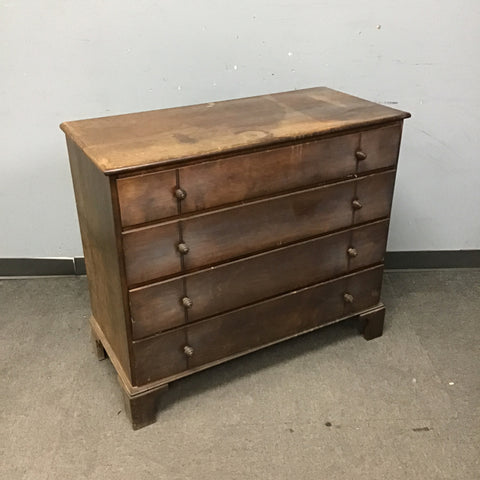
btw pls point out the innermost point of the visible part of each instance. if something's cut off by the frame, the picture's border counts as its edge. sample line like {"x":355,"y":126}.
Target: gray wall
{"x":66,"y":60}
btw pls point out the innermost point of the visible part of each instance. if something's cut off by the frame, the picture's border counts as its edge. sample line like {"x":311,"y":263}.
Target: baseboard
{"x":30,"y":267}
{"x":79,"y":265}
{"x":433,"y":259}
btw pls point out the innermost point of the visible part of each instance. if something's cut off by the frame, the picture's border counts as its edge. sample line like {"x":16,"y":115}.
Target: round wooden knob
{"x":183,"y":248}
{"x":356,"y":204}
{"x":352,"y":252}
{"x":186,"y":302}
{"x":348,"y":298}
{"x":180,"y":193}
{"x":360,"y":155}
{"x":188,"y":350}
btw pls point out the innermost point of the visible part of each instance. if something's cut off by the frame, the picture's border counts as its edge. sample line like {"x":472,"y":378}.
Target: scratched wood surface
{"x":160,"y":137}
{"x":248,"y":328}
{"x":94,"y":199}
{"x":157,"y":307}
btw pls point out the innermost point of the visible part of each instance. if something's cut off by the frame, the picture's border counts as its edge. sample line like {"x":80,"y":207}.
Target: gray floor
{"x":405,"y":406}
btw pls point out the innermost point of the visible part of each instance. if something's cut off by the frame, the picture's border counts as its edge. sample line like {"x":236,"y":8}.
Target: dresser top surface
{"x":162,"y":137}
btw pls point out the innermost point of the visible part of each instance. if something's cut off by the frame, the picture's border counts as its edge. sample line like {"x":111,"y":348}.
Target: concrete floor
{"x":405,"y":406}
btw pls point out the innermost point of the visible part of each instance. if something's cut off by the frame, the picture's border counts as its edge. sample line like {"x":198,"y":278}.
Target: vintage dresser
{"x":213,"y":230}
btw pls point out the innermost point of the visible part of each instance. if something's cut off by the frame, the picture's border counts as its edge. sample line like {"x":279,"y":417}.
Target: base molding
{"x":140,"y":401}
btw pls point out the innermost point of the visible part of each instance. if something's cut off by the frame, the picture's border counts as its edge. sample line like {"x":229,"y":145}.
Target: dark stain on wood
{"x":182,"y":138}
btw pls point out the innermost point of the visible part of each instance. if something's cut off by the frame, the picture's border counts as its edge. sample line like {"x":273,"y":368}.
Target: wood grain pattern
{"x":248,"y":176}
{"x":284,"y":219}
{"x":93,"y":197}
{"x":157,"y":307}
{"x":151,"y":252}
{"x":143,"y":198}
{"x":252,"y":326}
{"x":365,"y":289}
{"x":370,"y":242}
{"x":149,"y":197}
{"x":263,"y":323}
{"x":381,"y":146}
{"x":238,"y":283}
{"x":375,"y":193}
{"x":159,"y":357}
{"x":142,"y":409}
{"x":244,"y":177}
{"x":263,"y":276}
{"x":246,"y":229}
{"x":160,"y":137}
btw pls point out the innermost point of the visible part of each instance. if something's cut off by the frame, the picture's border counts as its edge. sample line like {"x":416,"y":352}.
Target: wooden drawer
{"x":151,"y":252}
{"x":381,"y":147}
{"x":252,"y":327}
{"x":148,"y":197}
{"x":242,"y":230}
{"x":374,"y":194}
{"x":244,"y":177}
{"x":158,"y":307}
{"x":151,"y":196}
{"x":256,"y":174}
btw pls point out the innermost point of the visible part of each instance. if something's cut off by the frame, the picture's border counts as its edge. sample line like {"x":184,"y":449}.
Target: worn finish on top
{"x":159,"y":137}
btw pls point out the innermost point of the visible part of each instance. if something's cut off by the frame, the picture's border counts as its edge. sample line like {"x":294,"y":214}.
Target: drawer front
{"x":256,"y":278}
{"x":368,"y":243}
{"x":151,"y":252}
{"x":381,"y":147}
{"x":159,"y":307}
{"x":159,"y":357}
{"x":151,"y":196}
{"x":144,"y":198}
{"x":251,"y":327}
{"x":365,"y":288}
{"x":273,"y":320}
{"x":244,"y":177}
{"x":231,"y":233}
{"x":156,"y":308}
{"x":243,"y":230}
{"x":375,"y":194}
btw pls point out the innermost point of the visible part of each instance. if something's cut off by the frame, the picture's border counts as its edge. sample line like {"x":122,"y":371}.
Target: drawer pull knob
{"x":348,"y":298}
{"x":352,"y":252}
{"x":183,"y":248}
{"x":188,"y":350}
{"x":180,"y":193}
{"x":186,"y":302}
{"x":356,"y":204}
{"x":360,"y":155}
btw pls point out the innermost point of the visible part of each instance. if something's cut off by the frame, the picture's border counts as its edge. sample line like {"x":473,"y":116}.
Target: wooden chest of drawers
{"x":213,"y":230}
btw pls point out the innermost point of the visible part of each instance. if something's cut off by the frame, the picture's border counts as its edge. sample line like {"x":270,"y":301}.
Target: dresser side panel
{"x":94,"y":199}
